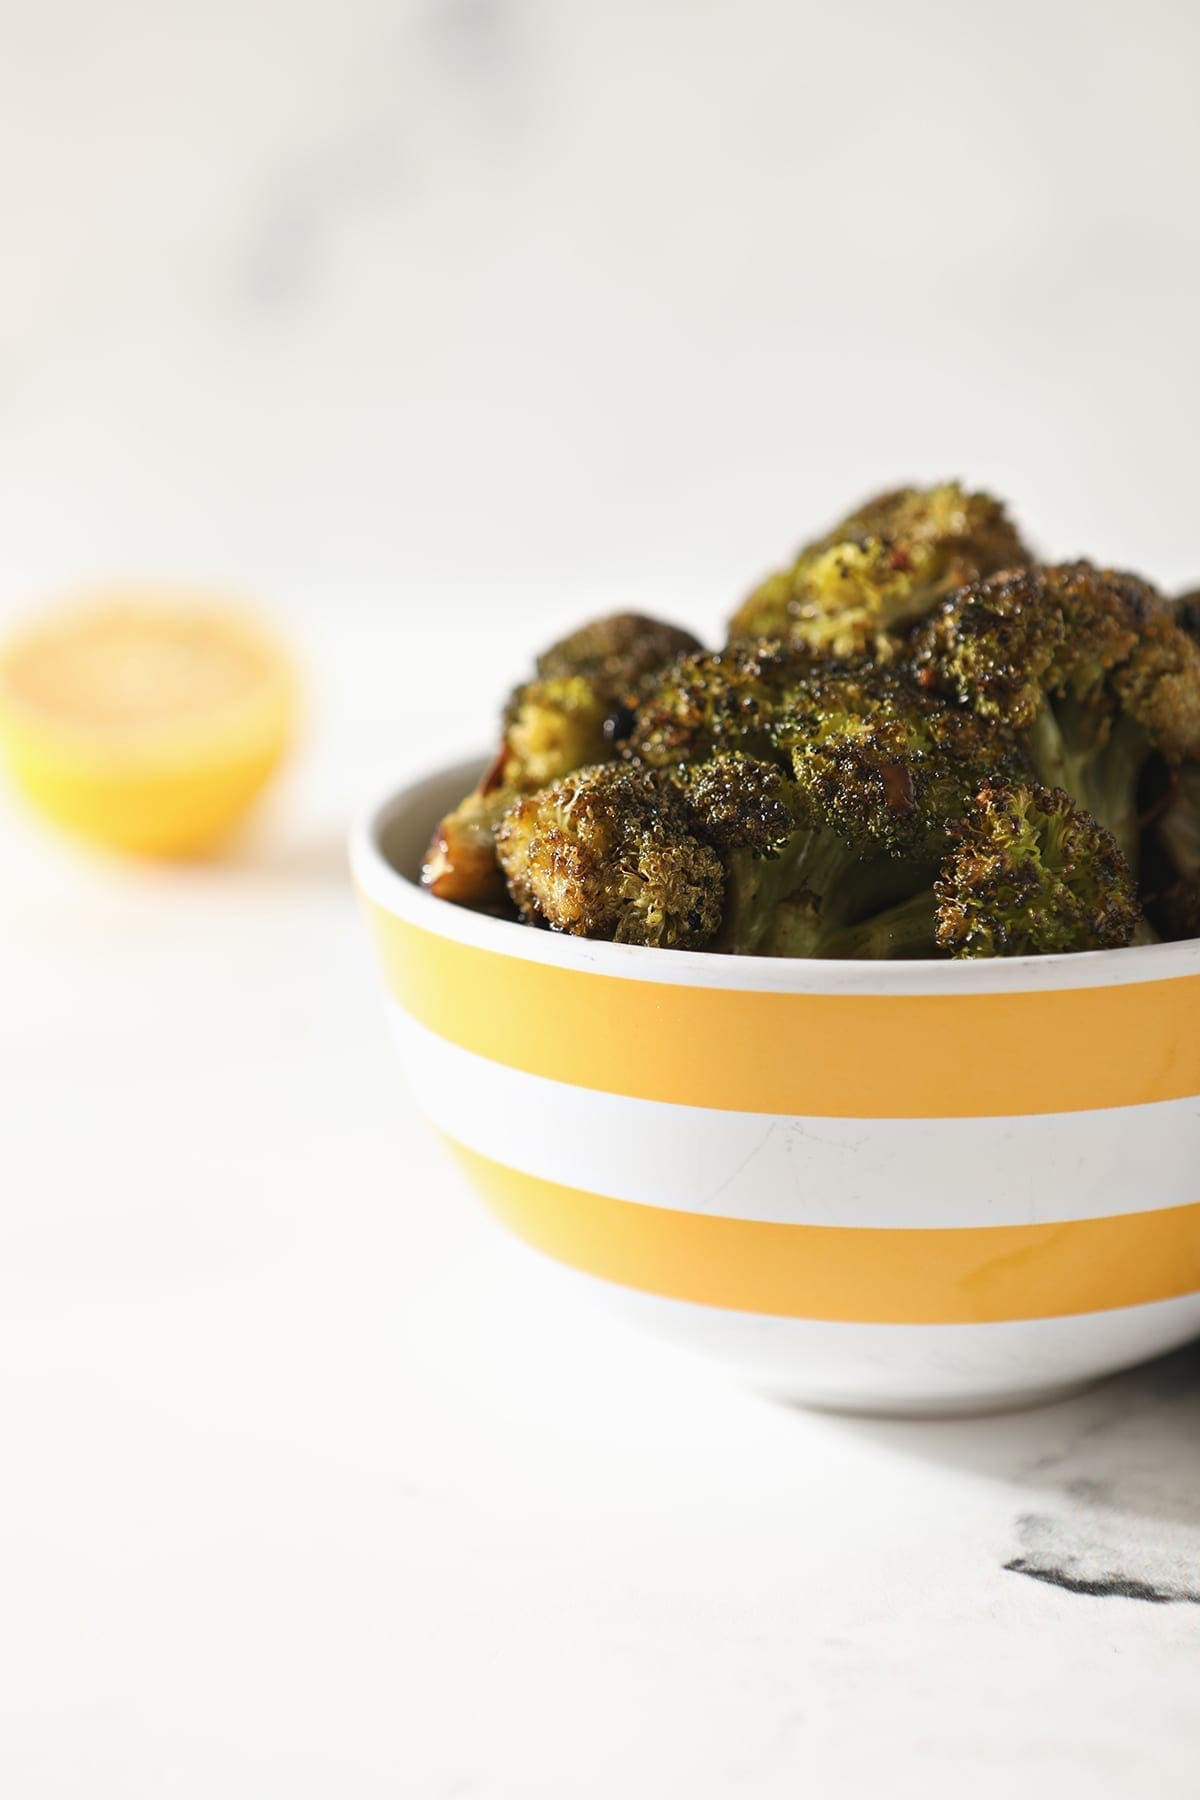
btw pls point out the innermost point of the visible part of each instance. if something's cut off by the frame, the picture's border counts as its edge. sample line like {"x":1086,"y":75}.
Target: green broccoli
{"x":1032,"y":875}
{"x":867,"y":773}
{"x":559,"y":721}
{"x":616,"y":652}
{"x":854,"y":591}
{"x":609,"y":852}
{"x":1087,"y":666}
{"x":717,"y":700}
{"x":1027,"y":874}
{"x":917,"y":742}
{"x":748,"y":854}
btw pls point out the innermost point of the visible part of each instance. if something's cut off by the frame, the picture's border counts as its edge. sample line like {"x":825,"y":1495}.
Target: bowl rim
{"x":381,"y":883}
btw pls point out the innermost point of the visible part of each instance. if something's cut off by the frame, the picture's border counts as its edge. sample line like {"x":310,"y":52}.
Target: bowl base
{"x":940,"y":1406}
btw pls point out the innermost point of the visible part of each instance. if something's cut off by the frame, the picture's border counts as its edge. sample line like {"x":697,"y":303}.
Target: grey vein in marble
{"x":1125,"y":1521}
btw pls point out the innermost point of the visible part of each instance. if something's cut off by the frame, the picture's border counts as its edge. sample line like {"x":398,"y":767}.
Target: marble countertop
{"x":315,"y":1484}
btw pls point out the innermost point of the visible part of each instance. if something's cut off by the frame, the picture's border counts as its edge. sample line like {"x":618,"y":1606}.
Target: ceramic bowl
{"x":897,"y":1187}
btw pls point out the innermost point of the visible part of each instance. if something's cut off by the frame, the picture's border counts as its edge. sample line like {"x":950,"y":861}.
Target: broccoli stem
{"x":903,"y":931}
{"x":755,"y":887}
{"x":1099,"y":770}
{"x":791,"y":905}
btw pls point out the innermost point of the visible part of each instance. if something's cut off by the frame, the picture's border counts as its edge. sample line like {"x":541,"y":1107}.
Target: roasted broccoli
{"x":1032,"y":875}
{"x":855,"y":810}
{"x":855,"y":590}
{"x":878,"y":771}
{"x":849,"y":773}
{"x":1089,"y":667}
{"x":557,"y":722}
{"x":1028,"y":874}
{"x":608,"y":852}
{"x":716,"y":700}
{"x":736,"y":802}
{"x":616,"y":652}
{"x":916,"y":743}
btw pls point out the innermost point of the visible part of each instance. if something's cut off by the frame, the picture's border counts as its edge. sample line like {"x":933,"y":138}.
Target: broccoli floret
{"x":736,"y":802}
{"x":1031,"y":875}
{"x":1028,"y":875}
{"x":880,"y":761}
{"x":552,"y":725}
{"x":616,"y":652}
{"x":749,"y":854}
{"x":460,"y":863}
{"x":1089,"y":666}
{"x":854,"y":590}
{"x":719,"y":700}
{"x":559,"y":721}
{"x":991,"y":645}
{"x":609,"y":852}
{"x":917,"y":742}
{"x":878,"y":769}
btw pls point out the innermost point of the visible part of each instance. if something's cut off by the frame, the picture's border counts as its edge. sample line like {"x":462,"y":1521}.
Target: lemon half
{"x":146,"y":722}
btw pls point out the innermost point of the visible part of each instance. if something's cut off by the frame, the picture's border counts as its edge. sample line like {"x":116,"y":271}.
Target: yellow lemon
{"x":146,"y":722}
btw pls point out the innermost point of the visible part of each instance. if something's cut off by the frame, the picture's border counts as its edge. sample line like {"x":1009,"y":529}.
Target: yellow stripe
{"x":830,"y":1055}
{"x":948,"y":1277}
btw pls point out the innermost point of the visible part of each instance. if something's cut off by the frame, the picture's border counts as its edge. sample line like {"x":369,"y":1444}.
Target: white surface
{"x":432,"y":323}
{"x":396,"y":289}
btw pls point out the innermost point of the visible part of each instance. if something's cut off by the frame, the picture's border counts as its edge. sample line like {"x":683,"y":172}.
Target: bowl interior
{"x":403,"y":827}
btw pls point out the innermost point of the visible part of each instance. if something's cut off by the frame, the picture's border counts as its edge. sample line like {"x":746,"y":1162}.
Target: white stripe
{"x":903,"y":1173}
{"x":905,"y":1368}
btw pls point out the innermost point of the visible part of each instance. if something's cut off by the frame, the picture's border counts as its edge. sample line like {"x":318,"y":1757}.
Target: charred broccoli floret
{"x":852,"y":591}
{"x":718,"y":700}
{"x":878,"y":769}
{"x":557,"y":722}
{"x":550,"y":726}
{"x":460,"y":863}
{"x":1028,"y":874}
{"x":991,"y":646}
{"x":756,"y":855}
{"x":609,"y":852}
{"x":736,"y":802}
{"x":616,"y":652}
{"x":917,"y":742}
{"x":880,"y":760}
{"x":1088,"y":665}
{"x":1031,"y":875}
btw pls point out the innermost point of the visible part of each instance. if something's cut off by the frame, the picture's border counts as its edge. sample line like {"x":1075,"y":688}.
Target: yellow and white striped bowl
{"x":904,"y":1186}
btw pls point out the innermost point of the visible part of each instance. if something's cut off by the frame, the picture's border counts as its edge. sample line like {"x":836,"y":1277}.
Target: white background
{"x":433,"y":328}
{"x":397,"y":293}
